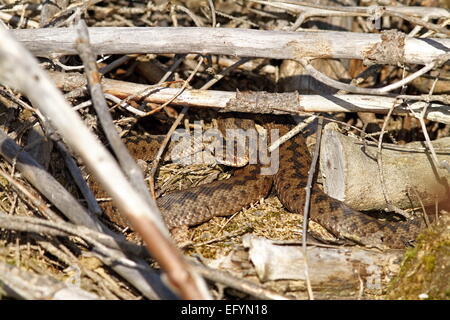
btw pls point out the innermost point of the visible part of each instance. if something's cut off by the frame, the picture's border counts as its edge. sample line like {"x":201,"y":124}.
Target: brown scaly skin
{"x":221,"y":198}
{"x":335,"y":216}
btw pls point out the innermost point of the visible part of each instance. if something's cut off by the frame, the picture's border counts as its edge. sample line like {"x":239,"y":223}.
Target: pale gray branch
{"x":226,"y":41}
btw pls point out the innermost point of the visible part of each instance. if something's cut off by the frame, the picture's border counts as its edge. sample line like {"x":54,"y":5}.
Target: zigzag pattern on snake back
{"x":199,"y":204}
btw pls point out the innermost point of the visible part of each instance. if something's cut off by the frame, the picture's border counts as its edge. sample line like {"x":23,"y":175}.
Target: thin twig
{"x":213,"y":13}
{"x":308,"y":188}
{"x":31,"y":224}
{"x":419,"y":22}
{"x":223,"y":73}
{"x":197,"y":21}
{"x":38,"y":203}
{"x":441,"y":164}
{"x":72,"y":68}
{"x":375,"y":91}
{"x":116,"y":63}
{"x":125,"y":105}
{"x":172,"y":68}
{"x":424,"y":212}
{"x":379,"y":158}
{"x":302,"y":125}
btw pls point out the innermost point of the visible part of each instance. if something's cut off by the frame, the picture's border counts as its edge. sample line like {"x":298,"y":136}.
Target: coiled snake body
{"x":221,"y":198}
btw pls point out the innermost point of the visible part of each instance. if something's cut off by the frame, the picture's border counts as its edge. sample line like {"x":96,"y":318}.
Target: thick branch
{"x":411,"y":178}
{"x":226,"y":41}
{"x":260,"y":102}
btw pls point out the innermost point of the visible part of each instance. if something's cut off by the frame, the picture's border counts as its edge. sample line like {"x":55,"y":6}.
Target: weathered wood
{"x":351,"y":172}
{"x":314,"y":9}
{"x":226,"y":41}
{"x":21,"y":284}
{"x":260,"y":102}
{"x":34,"y":173}
{"x":343,"y":267}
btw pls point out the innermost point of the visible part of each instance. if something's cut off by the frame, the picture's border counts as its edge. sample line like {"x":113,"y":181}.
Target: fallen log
{"x":329,"y":268}
{"x":411,"y":179}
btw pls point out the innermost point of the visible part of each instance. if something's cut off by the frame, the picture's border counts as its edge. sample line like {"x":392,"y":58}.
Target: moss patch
{"x":425,"y":271}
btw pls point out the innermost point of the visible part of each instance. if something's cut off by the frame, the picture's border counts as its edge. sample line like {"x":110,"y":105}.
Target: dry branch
{"x":328,"y":267}
{"x":22,"y":284}
{"x":222,"y":277}
{"x":374,"y":12}
{"x":322,"y":10}
{"x":126,"y":161}
{"x":135,"y":271}
{"x":260,"y":102}
{"x":227,"y":41}
{"x":351,"y":172}
{"x":62,"y":228}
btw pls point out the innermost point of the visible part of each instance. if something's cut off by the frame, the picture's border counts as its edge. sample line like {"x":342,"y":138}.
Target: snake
{"x":199,"y":204}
